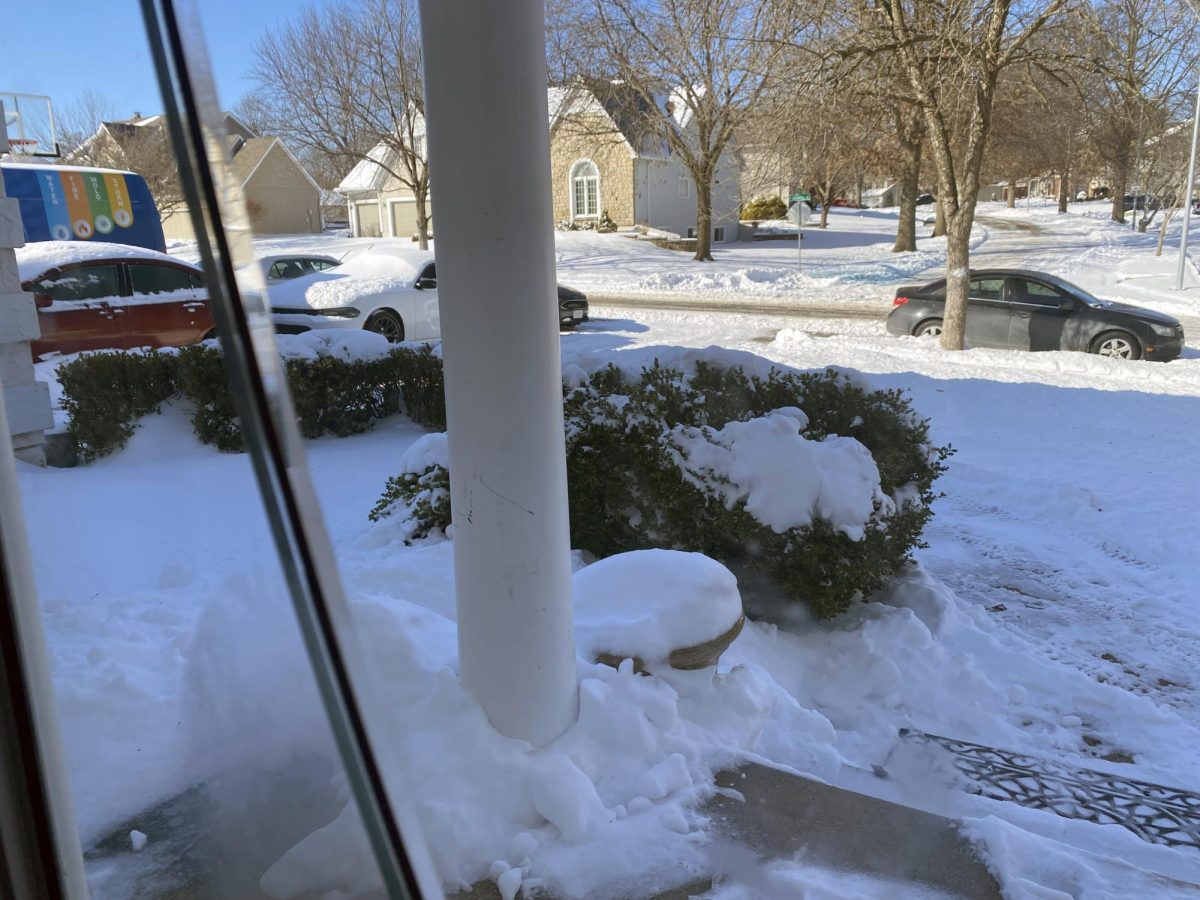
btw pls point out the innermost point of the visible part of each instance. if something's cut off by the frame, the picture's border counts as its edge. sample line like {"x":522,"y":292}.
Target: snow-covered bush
{"x":104,"y":394}
{"x":606,"y":225}
{"x":341,"y":384}
{"x":764,"y":208}
{"x":810,"y":483}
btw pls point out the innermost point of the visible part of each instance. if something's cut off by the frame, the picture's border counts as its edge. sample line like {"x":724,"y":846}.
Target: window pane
{"x":158,"y":279}
{"x":83,"y":283}
{"x":987,"y":288}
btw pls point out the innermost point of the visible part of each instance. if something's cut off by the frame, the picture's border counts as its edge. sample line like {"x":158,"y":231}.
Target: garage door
{"x":404,"y":219}
{"x":368,"y":219}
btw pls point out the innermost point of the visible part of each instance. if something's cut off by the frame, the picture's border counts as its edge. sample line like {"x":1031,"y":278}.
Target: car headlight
{"x":1163,"y":330}
{"x":337,"y":312}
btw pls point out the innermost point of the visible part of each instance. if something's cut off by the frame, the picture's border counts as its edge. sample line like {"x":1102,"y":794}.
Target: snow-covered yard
{"x":1053,"y":611}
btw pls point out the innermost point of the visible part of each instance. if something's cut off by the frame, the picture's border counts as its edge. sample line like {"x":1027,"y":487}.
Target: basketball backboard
{"x":29,"y":119}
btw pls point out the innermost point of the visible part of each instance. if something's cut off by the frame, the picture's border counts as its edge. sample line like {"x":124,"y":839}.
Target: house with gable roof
{"x":281,"y":196}
{"x":603,"y":159}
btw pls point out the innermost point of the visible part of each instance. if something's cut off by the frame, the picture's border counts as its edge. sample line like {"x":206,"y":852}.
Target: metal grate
{"x":1156,"y":814}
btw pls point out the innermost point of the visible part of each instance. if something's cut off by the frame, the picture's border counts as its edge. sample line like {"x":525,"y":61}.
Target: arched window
{"x":585,"y":189}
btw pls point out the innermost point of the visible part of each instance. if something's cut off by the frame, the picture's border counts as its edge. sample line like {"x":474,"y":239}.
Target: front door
{"x":86,"y":310}
{"x":987,"y":313}
{"x":168,"y":306}
{"x":1041,"y":314}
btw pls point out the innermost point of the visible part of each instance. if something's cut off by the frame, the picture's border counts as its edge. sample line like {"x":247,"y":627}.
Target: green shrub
{"x":422,"y":387}
{"x":764,"y":208}
{"x":630,"y":487}
{"x":104,"y":394}
{"x":201,"y":379}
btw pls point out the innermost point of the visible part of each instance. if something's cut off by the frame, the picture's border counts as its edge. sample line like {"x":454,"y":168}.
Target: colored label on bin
{"x":77,"y":205}
{"x":97,"y":197}
{"x":58,"y":218}
{"x":118,"y":198}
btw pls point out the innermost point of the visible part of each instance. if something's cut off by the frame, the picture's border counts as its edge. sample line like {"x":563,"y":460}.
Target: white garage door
{"x":404,"y":219}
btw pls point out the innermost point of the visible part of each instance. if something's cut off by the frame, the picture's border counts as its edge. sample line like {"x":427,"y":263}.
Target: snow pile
{"x":622,"y":783}
{"x":341,"y":343}
{"x":650,"y":602}
{"x":785,"y":480}
{"x":37,"y":256}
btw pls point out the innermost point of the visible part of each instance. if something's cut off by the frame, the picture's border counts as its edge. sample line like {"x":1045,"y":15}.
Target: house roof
{"x":368,"y":174}
{"x":248,"y":156}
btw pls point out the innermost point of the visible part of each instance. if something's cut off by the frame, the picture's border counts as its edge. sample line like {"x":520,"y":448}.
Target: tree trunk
{"x":1010,"y":195}
{"x":703,"y":220}
{"x":422,"y":198}
{"x":1064,"y":190}
{"x":939,"y":222}
{"x":1118,"y":199}
{"x":910,"y":187}
{"x":824,"y":213}
{"x":1162,"y":229}
{"x":958,"y":277}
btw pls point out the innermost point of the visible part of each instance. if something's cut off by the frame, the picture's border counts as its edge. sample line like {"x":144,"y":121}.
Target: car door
{"x":987,"y":312}
{"x":168,"y":306}
{"x":80,"y":307}
{"x":1040,"y":314}
{"x":426,"y":311}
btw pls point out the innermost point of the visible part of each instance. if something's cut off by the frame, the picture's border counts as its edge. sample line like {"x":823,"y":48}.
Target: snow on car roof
{"x":35,"y":258}
{"x":378,"y":269}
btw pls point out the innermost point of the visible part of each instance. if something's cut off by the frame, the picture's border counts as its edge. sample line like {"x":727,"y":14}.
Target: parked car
{"x":1022,"y":310}
{"x":1141,"y":201}
{"x":925,"y":199}
{"x":386,"y":289}
{"x":109,"y":296}
{"x":284,"y":267}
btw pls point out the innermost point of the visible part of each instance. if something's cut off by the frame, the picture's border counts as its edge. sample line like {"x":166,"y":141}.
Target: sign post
{"x":800,"y":217}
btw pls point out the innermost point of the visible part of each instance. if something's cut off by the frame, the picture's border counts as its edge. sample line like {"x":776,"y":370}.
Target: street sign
{"x":795,"y":197}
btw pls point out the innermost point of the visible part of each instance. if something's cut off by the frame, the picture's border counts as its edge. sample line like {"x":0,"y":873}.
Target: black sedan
{"x":572,"y":307}
{"x":1016,"y":309}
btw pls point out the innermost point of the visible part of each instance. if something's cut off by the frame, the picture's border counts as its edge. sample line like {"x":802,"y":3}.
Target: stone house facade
{"x":599,"y":163}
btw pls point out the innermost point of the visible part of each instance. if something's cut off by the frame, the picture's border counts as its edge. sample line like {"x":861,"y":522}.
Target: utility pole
{"x":488,"y":137}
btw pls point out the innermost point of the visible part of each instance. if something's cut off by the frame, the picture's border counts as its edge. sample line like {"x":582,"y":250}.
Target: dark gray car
{"x":1017,"y":309}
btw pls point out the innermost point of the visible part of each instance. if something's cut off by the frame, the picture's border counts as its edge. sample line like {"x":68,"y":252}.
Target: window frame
{"x":575,"y":180}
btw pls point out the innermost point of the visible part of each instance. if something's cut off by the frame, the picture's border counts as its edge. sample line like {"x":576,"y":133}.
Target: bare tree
{"x":343,"y":81}
{"x":81,"y":118}
{"x":952,"y":55}
{"x":1142,"y":51}
{"x":699,"y":68}
{"x":144,"y":149}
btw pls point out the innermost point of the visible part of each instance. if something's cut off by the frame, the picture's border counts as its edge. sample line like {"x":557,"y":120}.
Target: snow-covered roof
{"x":368,"y":174}
{"x":381,"y":268}
{"x":878,"y":192}
{"x":35,"y":258}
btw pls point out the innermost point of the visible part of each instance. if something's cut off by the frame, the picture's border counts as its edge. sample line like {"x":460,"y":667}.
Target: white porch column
{"x":489,"y":155}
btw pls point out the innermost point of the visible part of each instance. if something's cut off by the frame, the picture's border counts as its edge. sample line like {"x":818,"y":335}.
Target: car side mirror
{"x":426,"y":284}
{"x":42,"y":301}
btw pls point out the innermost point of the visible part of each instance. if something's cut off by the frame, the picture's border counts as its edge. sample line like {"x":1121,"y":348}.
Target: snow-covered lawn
{"x":1053,"y":612}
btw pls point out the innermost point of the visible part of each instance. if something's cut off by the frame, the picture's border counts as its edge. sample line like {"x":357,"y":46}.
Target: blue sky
{"x":59,"y":48}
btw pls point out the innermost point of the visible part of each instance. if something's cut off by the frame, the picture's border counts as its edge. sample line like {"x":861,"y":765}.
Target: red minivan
{"x":93,"y":297}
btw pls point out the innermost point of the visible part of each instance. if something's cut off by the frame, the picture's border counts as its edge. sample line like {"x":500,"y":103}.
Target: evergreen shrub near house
{"x":764,"y":208}
{"x":630,"y":488}
{"x":606,"y":225}
{"x":104,"y":395}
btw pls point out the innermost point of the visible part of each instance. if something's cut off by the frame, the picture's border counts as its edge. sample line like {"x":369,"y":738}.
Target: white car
{"x":386,"y":289}
{"x":286,"y":266}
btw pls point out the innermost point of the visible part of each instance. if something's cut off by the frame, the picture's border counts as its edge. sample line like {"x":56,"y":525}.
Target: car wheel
{"x":1117,"y":344}
{"x":386,"y":323}
{"x":929,"y":328}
